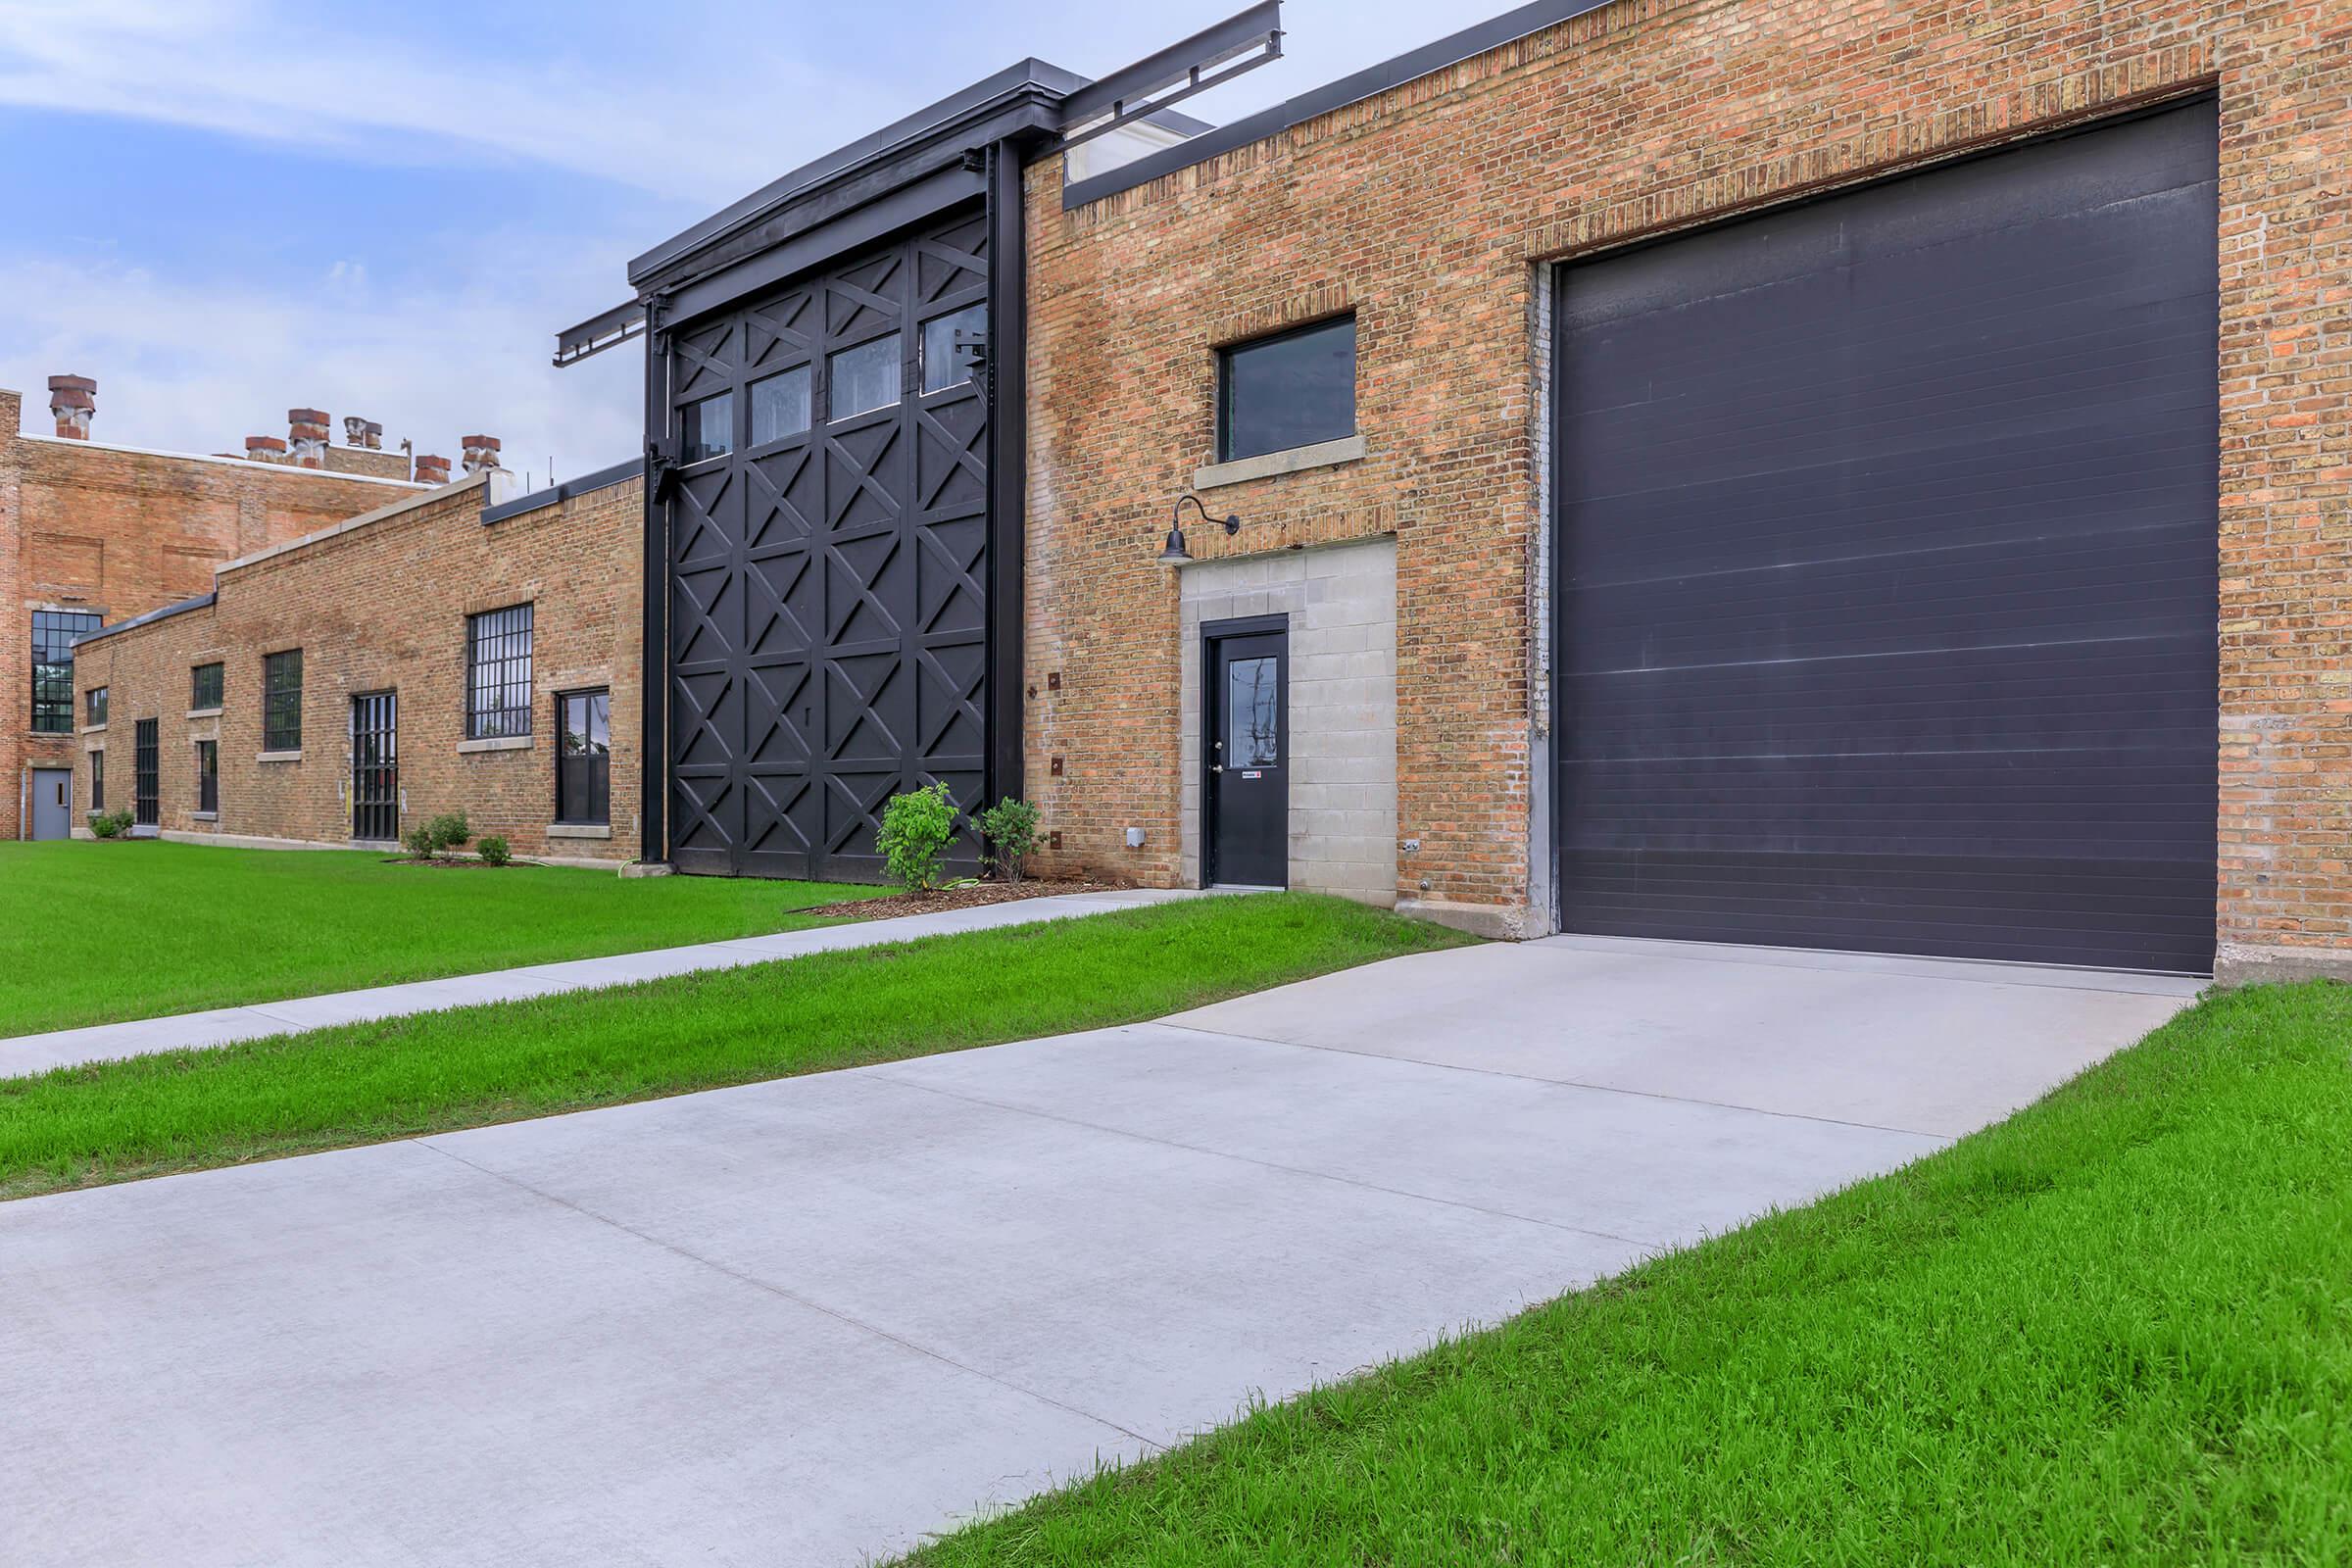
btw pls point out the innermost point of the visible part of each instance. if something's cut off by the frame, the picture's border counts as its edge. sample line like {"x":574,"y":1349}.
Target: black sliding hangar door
{"x":828,"y":613}
{"x":1887,"y":593}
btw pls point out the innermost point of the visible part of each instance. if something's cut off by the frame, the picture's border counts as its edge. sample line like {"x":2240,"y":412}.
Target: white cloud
{"x":198,"y":367}
{"x":386,"y":90}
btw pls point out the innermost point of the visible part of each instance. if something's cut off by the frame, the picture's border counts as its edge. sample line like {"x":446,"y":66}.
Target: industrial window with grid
{"x":497,"y":673}
{"x":282,"y":701}
{"x":53,"y":634}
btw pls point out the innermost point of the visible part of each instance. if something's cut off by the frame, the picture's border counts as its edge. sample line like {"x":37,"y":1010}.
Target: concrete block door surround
{"x":1341,"y":604}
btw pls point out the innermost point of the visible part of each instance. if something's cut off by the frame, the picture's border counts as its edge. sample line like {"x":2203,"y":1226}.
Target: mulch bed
{"x":453,"y":865}
{"x":963,"y":898}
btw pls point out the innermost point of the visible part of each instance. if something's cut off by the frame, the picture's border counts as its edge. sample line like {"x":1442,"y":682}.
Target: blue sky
{"x":221,"y":208}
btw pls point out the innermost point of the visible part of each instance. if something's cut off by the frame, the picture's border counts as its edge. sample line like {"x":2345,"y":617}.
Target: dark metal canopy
{"x":1242,"y":42}
{"x":915,"y":168}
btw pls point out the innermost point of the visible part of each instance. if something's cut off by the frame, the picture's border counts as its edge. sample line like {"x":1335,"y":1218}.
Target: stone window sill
{"x":278,"y":756}
{"x":497,"y":743}
{"x":204,"y":713}
{"x":579,"y":831}
{"x":204,"y":816}
{"x":93,"y":729}
{"x":1292,"y":459}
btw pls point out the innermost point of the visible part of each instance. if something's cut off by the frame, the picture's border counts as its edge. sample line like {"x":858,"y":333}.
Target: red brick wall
{"x":383,"y":607}
{"x":1425,"y":209}
{"x":88,"y":527}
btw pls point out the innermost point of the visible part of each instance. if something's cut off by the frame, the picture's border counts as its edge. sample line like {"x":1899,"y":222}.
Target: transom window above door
{"x":707,"y":429}
{"x":780,"y":406}
{"x":952,"y":345}
{"x":864,"y":379}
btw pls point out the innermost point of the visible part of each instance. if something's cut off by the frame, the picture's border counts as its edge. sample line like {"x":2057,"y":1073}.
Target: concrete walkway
{"x":222,"y":1026}
{"x":808,"y":1321}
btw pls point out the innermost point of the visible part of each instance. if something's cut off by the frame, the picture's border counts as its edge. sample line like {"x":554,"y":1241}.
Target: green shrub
{"x":449,"y":831}
{"x":110,"y":824}
{"x":1010,"y":828}
{"x":493,"y":850}
{"x":916,"y":829}
{"x":419,"y":842}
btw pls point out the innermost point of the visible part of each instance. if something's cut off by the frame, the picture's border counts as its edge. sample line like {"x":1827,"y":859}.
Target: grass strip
{"x":469,"y":1067}
{"x":2114,"y":1329}
{"x":102,"y":932}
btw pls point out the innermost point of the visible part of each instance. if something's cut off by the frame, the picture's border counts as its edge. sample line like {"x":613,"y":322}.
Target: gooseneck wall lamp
{"x":1175,"y":555}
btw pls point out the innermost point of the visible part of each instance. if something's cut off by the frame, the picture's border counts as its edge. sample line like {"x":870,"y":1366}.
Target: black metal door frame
{"x":1213,"y":636}
{"x":666,"y":708}
{"x":376,"y":766}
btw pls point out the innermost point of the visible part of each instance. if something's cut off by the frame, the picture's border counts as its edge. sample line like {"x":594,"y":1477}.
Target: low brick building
{"x":459,"y":650}
{"x":92,"y":532}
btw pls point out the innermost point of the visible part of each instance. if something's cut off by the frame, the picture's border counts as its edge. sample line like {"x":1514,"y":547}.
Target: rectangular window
{"x":952,"y":345}
{"x":707,"y":429}
{"x":780,"y":406}
{"x":94,"y":706}
{"x":143,"y":774}
{"x":1290,"y":390}
{"x":864,"y":378}
{"x":53,"y":634}
{"x":208,"y":775}
{"x":584,"y":759}
{"x":282,"y":701}
{"x":205,"y":686}
{"x":97,"y":781}
{"x":497,"y":673}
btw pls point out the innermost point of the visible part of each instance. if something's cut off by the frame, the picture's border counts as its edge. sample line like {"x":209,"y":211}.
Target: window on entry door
{"x":584,"y":758}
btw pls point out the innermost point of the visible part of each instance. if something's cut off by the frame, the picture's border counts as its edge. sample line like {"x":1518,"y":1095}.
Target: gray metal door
{"x":52,"y":802}
{"x":1887,"y":566}
{"x":828,"y":614}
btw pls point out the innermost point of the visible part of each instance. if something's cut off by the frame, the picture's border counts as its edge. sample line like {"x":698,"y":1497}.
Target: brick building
{"x":1855,"y":474}
{"x":456,"y":649}
{"x":92,"y":532}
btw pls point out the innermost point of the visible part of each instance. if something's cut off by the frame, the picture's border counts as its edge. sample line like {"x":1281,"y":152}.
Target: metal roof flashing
{"x":1372,"y":80}
{"x":1027,"y":84}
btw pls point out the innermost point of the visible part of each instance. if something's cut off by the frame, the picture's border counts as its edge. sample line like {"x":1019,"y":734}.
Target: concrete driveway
{"x":809,"y":1322}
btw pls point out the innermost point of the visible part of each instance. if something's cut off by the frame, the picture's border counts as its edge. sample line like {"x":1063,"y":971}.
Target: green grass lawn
{"x":365,"y":1083}
{"x":2115,"y":1329}
{"x":103,"y":931}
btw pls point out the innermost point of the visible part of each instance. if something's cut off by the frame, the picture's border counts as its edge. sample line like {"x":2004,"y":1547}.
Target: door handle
{"x":1216,"y":768}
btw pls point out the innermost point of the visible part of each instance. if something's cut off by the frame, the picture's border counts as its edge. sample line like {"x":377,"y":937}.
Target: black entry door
{"x":828,"y":555}
{"x":1886,"y":598}
{"x":376,"y":765}
{"x":1247,"y":793}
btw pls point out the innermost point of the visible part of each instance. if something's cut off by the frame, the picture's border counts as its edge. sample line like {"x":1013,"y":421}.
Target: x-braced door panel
{"x":828,"y":557}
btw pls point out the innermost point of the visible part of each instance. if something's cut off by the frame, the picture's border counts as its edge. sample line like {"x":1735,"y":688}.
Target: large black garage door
{"x":828,"y":612}
{"x":1887,"y":599}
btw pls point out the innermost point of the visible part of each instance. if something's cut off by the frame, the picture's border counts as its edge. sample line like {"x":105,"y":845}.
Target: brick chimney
{"x":481,"y":452}
{"x":366,"y":434}
{"x":432,"y":470}
{"x":264,"y":449}
{"x":72,"y":399}
{"x":307,"y":435}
